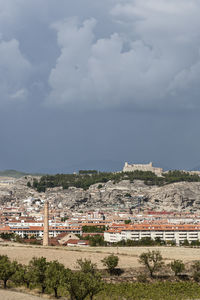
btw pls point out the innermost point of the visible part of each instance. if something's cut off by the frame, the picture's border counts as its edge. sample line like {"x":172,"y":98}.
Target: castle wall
{"x":142,"y":167}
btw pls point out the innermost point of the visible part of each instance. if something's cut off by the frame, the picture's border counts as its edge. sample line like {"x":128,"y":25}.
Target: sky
{"x":89,"y":84}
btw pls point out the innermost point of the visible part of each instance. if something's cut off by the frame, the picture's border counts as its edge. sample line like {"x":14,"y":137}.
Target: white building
{"x":168,"y":232}
{"x":142,"y":167}
{"x":39,"y":230}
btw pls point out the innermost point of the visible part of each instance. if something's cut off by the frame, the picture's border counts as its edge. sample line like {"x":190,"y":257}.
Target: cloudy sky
{"x":91,"y":84}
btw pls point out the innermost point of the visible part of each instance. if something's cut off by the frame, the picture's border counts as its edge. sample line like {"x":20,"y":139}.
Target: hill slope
{"x":16,"y":174}
{"x":180,"y":196}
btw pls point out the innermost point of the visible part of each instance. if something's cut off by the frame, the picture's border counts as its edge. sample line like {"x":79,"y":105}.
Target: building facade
{"x":142,"y":167}
{"x":176,"y":233}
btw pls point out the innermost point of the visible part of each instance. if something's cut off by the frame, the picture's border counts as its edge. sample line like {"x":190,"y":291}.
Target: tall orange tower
{"x":46,"y":224}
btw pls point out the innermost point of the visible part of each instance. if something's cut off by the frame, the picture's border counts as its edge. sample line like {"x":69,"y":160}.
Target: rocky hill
{"x":181,"y":196}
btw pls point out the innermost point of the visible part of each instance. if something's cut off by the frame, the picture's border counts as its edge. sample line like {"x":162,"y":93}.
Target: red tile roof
{"x":157,"y":227}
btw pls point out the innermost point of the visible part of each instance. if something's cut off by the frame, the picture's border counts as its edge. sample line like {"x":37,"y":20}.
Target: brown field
{"x":10,"y":295}
{"x":128,"y":256}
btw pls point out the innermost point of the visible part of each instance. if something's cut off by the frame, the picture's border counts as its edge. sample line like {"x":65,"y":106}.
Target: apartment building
{"x":166,"y":232}
{"x":38,"y":230}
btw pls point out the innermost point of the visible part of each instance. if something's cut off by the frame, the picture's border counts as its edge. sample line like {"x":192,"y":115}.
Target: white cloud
{"x":140,"y":64}
{"x":132,"y":52}
{"x":15,"y":71}
{"x":70,"y":76}
{"x":19,"y":95}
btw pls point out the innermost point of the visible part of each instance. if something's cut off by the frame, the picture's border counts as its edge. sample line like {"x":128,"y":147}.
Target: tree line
{"x":85,"y":180}
{"x":87,"y":282}
{"x":53,"y":276}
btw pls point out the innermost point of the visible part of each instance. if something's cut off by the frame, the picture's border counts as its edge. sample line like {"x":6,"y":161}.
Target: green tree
{"x":93,"y":229}
{"x":159,"y":242}
{"x":152,"y":260}
{"x":7,"y":236}
{"x":96,"y":240}
{"x":110,"y":262}
{"x":177,"y":266}
{"x":55,"y":274}
{"x":81,"y":285}
{"x":127,"y":221}
{"x":95,"y":284}
{"x":29,"y":184}
{"x":128,"y":195}
{"x":23,"y":275}
{"x":77,"y":285}
{"x":35,"y":183}
{"x":39,"y":267}
{"x":185,"y":243}
{"x":7,"y":269}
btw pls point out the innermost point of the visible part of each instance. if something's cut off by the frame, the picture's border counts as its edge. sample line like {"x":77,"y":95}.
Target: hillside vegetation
{"x":86,"y":180}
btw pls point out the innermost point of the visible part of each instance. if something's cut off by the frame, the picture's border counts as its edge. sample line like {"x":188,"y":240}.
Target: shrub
{"x":87,"y":266}
{"x":111,"y":262}
{"x":142,"y":277}
{"x":177,"y":266}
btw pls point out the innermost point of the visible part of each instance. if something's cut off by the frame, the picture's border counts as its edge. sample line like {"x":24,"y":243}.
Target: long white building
{"x":168,"y":232}
{"x":38,"y":231}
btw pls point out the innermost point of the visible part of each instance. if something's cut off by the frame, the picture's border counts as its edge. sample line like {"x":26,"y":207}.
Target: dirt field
{"x":128,"y":256}
{"x":9,"y":295}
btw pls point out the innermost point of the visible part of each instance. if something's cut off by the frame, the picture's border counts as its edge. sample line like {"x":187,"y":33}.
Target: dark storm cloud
{"x":99,"y":82}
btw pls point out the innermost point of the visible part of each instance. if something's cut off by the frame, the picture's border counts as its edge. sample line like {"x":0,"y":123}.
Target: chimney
{"x":46,"y":224}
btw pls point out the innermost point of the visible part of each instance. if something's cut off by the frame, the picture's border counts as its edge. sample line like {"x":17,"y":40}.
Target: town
{"x":124,"y":219}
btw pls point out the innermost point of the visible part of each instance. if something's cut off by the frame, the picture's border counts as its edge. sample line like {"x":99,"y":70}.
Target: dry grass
{"x":10,"y":295}
{"x":128,"y":256}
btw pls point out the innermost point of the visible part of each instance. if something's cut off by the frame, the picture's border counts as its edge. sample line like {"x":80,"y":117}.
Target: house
{"x":76,"y":243}
{"x":64,"y":237}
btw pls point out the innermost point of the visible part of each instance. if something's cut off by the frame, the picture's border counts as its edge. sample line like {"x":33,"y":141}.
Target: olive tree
{"x":95,"y":284}
{"x":81,"y":285}
{"x":152,"y":260}
{"x":7,"y":269}
{"x":23,"y":275}
{"x":39,"y":267}
{"x":77,"y":285}
{"x":54,"y":275}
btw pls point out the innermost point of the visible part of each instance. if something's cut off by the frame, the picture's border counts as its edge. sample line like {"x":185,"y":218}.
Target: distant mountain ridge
{"x":17,"y":174}
{"x":197,"y":168}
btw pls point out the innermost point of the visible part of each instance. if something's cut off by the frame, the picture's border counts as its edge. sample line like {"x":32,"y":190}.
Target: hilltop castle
{"x":142,"y":167}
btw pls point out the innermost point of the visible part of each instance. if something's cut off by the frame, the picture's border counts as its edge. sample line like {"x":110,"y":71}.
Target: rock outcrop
{"x":182,"y":196}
